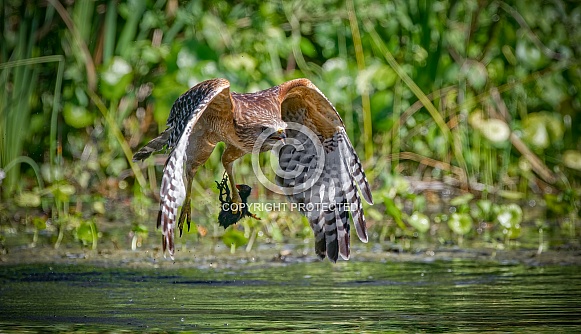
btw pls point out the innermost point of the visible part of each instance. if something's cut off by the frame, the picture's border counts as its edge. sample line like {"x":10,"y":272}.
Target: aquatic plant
{"x":458,"y":98}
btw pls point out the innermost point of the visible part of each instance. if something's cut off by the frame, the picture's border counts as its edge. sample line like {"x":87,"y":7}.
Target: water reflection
{"x":350,"y":296}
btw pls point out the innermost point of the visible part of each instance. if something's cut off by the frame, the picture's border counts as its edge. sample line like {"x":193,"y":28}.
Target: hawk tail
{"x":339,"y":194}
{"x":331,"y":225}
{"x":154,"y":145}
{"x":334,"y":196}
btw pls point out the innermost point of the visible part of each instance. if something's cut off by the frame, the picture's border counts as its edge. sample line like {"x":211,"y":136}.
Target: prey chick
{"x":231,"y":213}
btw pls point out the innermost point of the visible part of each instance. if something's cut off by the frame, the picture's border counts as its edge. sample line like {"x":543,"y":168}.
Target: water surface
{"x":441,"y":296}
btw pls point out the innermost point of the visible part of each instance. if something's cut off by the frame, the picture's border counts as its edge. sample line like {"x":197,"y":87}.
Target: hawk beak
{"x":282,"y":136}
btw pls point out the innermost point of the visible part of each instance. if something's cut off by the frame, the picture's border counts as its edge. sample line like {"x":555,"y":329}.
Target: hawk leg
{"x":224,"y":190}
{"x":186,"y":212}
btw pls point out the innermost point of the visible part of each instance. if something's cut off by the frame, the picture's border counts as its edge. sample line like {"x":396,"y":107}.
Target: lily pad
{"x":234,"y":238}
{"x":460,"y":223}
{"x":509,"y":215}
{"x":420,"y":222}
{"x":541,"y":129}
{"x":77,"y":116}
{"x":115,"y":78}
{"x":484,"y":210}
{"x":572,"y":159}
{"x":495,"y":130}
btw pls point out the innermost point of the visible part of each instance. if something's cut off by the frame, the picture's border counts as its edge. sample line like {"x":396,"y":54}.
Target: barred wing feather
{"x":185,"y":112}
{"x":333,"y":196}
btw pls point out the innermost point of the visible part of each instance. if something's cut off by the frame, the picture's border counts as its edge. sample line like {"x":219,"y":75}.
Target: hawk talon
{"x":186,"y":216}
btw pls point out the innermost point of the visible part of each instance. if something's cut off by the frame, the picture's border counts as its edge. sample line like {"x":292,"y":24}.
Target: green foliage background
{"x":482,"y":96}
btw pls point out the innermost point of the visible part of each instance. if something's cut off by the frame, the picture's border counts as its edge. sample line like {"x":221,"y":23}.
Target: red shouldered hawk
{"x":319,"y":171}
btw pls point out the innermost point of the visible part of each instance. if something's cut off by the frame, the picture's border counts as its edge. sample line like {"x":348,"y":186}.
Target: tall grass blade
{"x":365,"y":100}
{"x":110,"y":30}
{"x":11,"y":141}
{"x":419,"y":94}
{"x":18,"y":82}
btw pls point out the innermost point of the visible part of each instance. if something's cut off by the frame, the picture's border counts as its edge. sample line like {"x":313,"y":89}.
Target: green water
{"x":448,"y":296}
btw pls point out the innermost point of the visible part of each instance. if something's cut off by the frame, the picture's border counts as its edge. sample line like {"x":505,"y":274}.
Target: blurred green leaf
{"x":307,"y":48}
{"x":484,"y":210}
{"x":476,"y":74}
{"x":509,"y":215}
{"x":77,"y":116}
{"x":460,"y":223}
{"x":462,"y":199}
{"x":28,"y":199}
{"x":99,"y":207}
{"x":560,"y":204}
{"x":510,"y":195}
{"x":86,"y":233}
{"x":393,"y":211}
{"x":529,"y":54}
{"x":420,"y":222}
{"x":541,"y":129}
{"x":495,"y":130}
{"x":233,"y":237}
{"x":572,"y":159}
{"x":140,"y":228}
{"x":39,"y":223}
{"x":276,"y":233}
{"x":62,"y":191}
{"x":115,"y":78}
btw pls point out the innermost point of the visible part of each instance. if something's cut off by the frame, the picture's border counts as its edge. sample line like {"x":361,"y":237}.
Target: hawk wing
{"x":211,"y":96}
{"x":331,"y":175}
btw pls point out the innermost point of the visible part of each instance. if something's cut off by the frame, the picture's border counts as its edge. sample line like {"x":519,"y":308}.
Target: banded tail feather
{"x":155,"y":145}
{"x":334,"y":197}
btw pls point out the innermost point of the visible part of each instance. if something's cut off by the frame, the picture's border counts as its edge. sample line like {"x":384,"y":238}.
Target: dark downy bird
{"x":227,"y":217}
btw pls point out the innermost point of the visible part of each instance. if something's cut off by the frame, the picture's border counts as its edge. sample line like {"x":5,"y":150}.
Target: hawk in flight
{"x":320,"y":169}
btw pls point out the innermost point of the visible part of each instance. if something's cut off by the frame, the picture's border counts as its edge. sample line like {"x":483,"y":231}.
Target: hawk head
{"x":271,"y":134}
